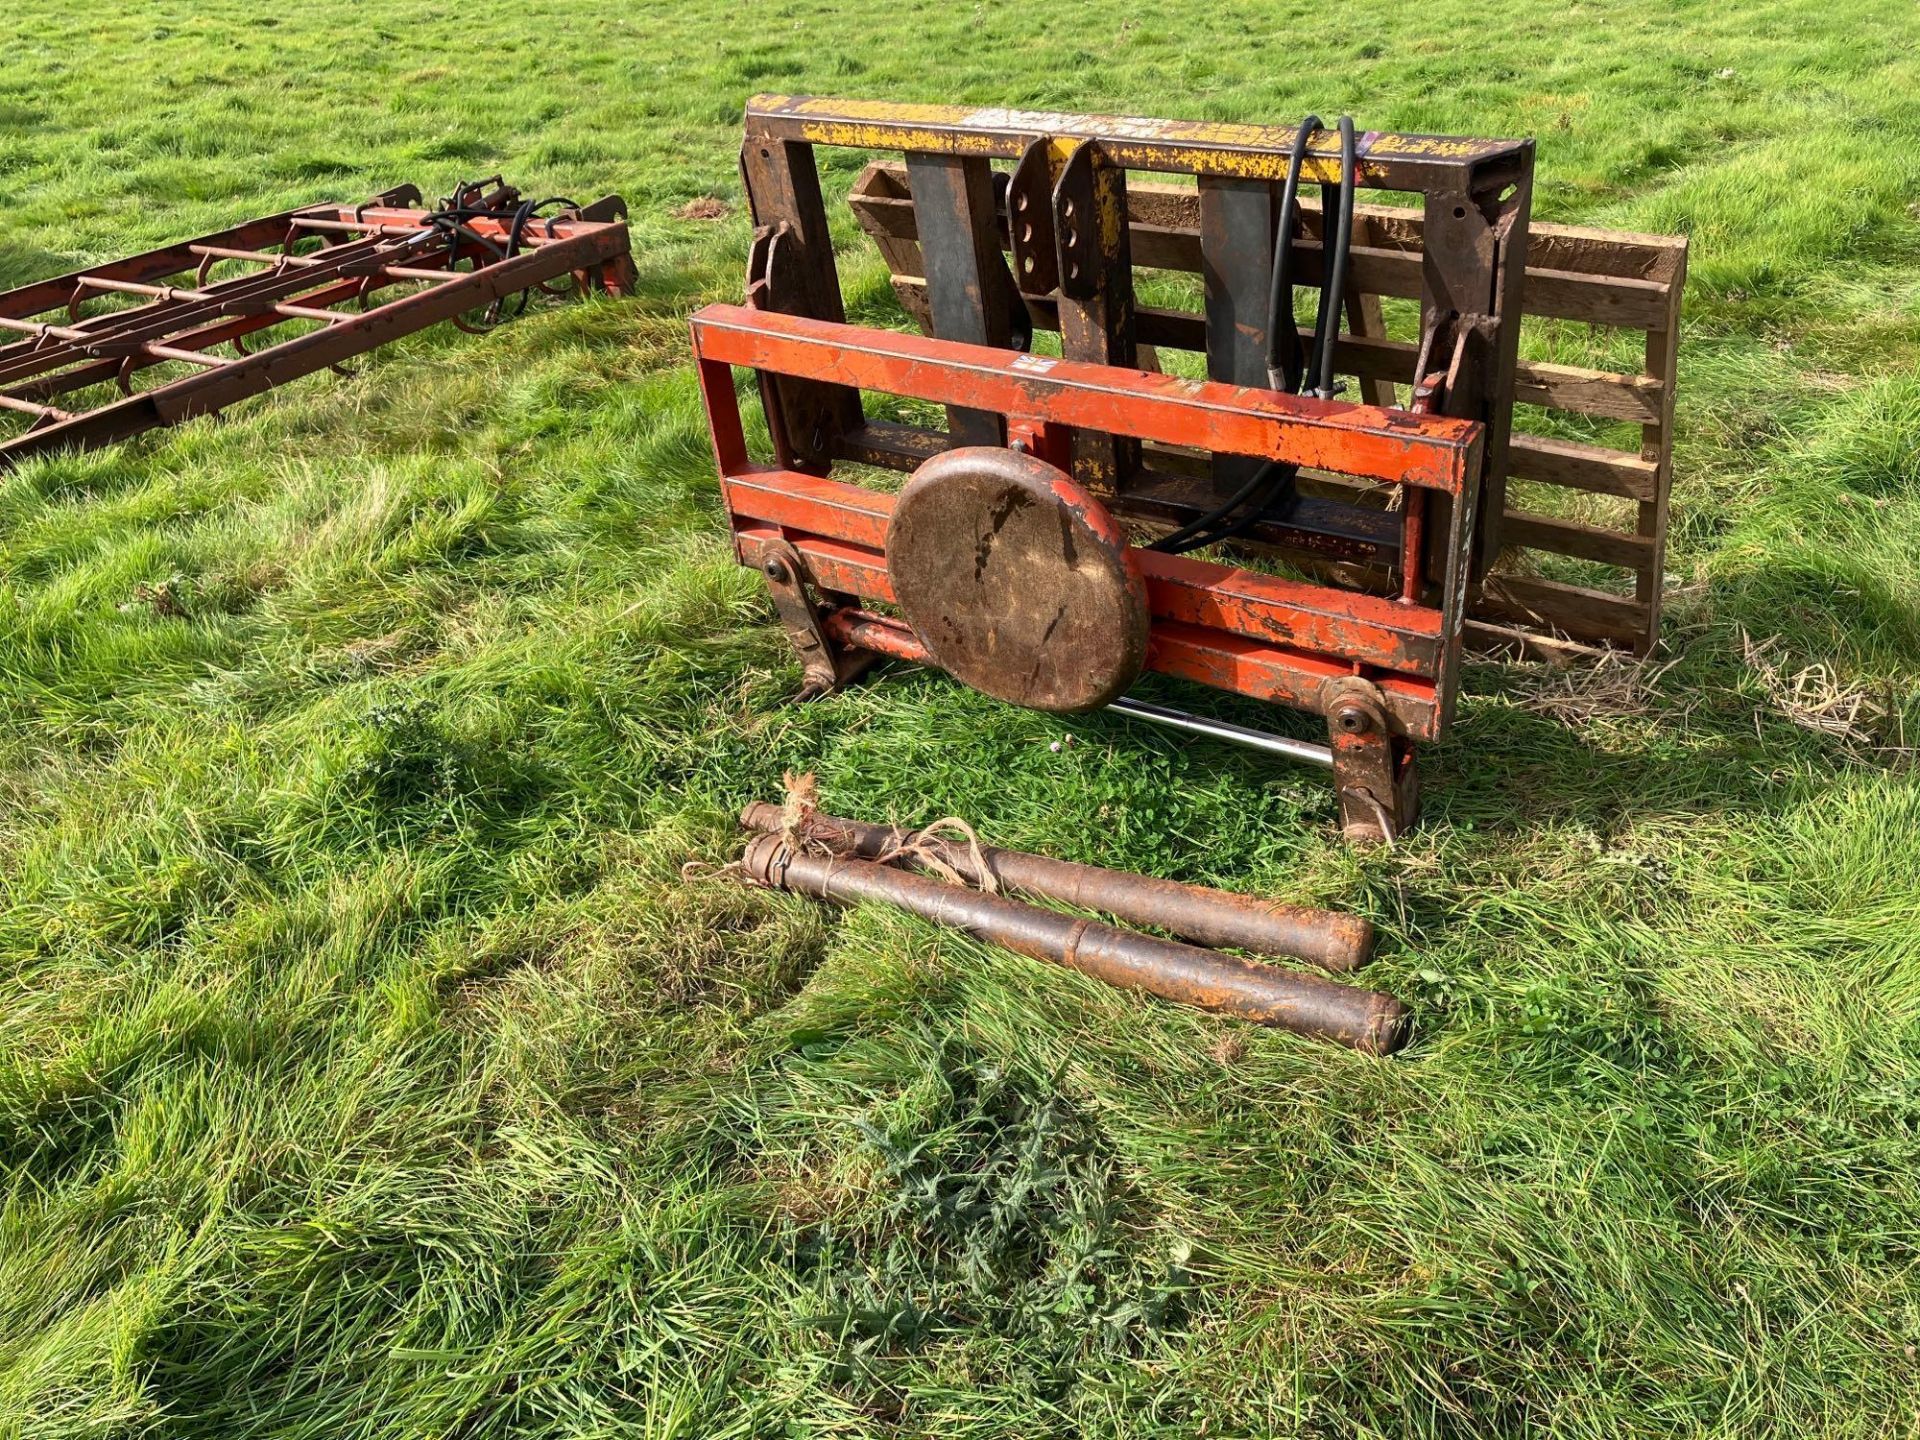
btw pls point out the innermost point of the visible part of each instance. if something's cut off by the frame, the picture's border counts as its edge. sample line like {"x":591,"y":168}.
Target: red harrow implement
{"x":272,"y":292}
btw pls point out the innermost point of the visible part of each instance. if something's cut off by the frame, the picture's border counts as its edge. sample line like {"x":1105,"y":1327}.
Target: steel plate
{"x":1017,"y":581}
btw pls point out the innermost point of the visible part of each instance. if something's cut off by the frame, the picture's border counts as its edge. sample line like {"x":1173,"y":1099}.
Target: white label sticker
{"x":1034,"y":364}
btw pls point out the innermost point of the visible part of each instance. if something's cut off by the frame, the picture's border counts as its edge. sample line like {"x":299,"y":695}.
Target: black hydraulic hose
{"x":1184,"y":538}
{"x":1333,"y":291}
{"x":1284,"y":368}
{"x":450,"y":222}
{"x":1281,"y":482}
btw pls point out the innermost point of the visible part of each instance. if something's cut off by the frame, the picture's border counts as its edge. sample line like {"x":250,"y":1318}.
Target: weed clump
{"x":1004,"y":1218}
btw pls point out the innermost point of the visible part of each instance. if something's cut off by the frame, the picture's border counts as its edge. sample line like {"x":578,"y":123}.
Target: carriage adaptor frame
{"x":999,"y":567}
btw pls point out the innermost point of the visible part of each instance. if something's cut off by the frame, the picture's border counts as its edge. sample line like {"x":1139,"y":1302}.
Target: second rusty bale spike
{"x":1365,"y":1020}
{"x":1325,"y":938}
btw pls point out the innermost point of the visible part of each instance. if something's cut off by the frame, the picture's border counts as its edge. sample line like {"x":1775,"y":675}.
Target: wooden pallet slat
{"x":1167,"y":237}
{"x":1578,"y":466}
{"x":1573,"y":610}
{"x":1571,"y":538}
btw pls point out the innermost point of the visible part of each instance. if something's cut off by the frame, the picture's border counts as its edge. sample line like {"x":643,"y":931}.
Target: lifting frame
{"x":1153,"y":449}
{"x":1583,"y":285}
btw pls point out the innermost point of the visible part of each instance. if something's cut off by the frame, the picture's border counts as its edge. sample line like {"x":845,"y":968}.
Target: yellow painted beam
{"x":1194,"y":147}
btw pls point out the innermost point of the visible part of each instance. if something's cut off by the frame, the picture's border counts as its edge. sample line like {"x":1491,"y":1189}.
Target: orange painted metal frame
{"x":1259,"y":635}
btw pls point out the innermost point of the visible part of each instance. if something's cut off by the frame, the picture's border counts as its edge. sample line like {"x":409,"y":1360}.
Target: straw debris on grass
{"x":1609,"y":686}
{"x":1814,"y":698}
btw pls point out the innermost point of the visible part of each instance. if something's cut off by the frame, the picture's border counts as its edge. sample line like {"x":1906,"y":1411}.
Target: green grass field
{"x":366,"y":1069}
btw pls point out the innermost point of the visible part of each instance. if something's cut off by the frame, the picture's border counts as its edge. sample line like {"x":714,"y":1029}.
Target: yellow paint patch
{"x":1253,"y":152}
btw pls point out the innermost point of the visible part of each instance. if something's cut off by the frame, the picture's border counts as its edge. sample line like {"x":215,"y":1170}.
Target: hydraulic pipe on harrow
{"x":1325,"y":938}
{"x":1365,"y":1020}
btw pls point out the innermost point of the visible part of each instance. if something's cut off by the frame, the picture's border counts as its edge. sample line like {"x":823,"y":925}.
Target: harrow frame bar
{"x":364,"y":250}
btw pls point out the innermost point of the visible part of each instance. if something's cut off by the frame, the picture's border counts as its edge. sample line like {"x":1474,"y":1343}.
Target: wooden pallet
{"x":1598,"y":278}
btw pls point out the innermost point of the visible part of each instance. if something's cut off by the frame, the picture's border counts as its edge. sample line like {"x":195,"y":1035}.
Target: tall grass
{"x":367,"y":1068}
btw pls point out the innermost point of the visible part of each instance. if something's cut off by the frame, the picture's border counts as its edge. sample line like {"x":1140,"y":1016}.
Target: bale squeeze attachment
{"x":1582,"y":541}
{"x":1382,"y":671}
{"x":1044,"y":550}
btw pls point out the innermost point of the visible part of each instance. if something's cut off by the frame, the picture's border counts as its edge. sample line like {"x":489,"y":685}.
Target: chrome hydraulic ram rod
{"x":1365,"y":1020}
{"x":1325,"y":938}
{"x":1283,"y":745}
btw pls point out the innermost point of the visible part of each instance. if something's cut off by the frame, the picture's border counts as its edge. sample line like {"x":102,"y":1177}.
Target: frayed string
{"x":798,"y":807}
{"x":923,"y":847}
{"x":803,"y":832}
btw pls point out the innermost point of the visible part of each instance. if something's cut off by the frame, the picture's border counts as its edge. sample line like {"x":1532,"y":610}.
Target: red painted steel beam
{"x":1282,"y":676}
{"x":1275,"y":673}
{"x":1354,"y":628}
{"x":1361,"y":440}
{"x":835,"y":565}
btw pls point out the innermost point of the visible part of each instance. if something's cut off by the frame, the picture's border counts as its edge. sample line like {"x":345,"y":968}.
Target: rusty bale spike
{"x":1326,"y":938}
{"x":1366,"y":1020}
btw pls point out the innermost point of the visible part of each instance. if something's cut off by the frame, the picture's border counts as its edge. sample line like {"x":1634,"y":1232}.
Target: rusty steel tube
{"x":863,"y":630}
{"x":1365,"y":1020}
{"x":1325,"y":938}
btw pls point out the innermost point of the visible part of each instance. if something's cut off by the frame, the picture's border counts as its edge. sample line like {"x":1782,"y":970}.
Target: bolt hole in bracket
{"x":825,"y":666}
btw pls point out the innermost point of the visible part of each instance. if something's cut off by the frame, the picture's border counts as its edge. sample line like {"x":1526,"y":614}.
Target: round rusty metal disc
{"x":1017,"y":581}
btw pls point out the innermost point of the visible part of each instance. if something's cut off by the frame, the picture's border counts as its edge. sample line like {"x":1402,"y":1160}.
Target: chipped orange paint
{"x":1262,"y":608}
{"x":1365,"y":441}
